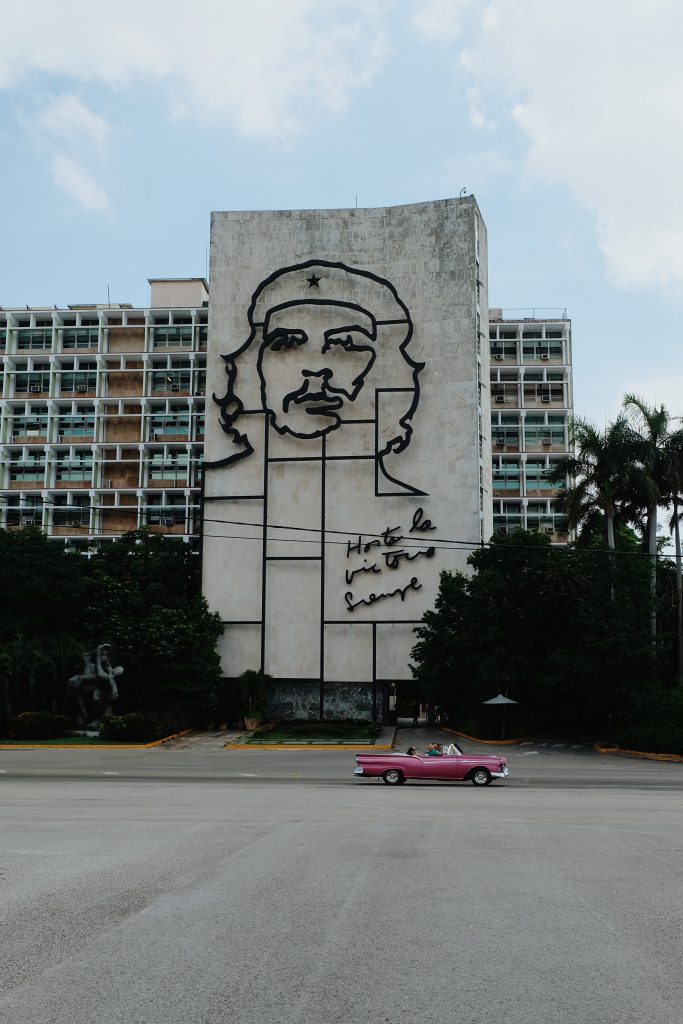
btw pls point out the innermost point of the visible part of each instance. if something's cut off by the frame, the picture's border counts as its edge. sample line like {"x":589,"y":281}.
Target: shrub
{"x":137,"y":727}
{"x":657,"y":725}
{"x":39,"y":725}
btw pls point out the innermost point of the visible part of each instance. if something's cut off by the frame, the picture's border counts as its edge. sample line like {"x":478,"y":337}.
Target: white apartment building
{"x":102,"y":416}
{"x":531,"y":410}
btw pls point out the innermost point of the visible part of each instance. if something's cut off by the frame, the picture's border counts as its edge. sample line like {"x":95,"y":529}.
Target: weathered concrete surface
{"x":306,"y":481}
{"x":157,"y":903}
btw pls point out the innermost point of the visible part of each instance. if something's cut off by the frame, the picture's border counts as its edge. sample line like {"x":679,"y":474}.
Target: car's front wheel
{"x":481,"y":777}
{"x":392,"y":777}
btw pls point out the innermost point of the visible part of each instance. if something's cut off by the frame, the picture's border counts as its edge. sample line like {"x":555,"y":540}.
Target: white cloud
{"x":477,"y":116}
{"x":67,"y":117}
{"x":473,"y":171}
{"x":596,"y":88}
{"x":440,"y":19}
{"x":266,"y":66}
{"x":75,"y":140}
{"x":74,"y":179}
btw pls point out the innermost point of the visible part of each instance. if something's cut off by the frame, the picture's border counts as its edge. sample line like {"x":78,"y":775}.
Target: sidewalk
{"x":217,"y":741}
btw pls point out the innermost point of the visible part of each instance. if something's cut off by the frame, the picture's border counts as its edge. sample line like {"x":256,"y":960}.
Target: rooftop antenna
{"x":206,"y":262}
{"x":108,"y":299}
{"x":463,"y":191}
{"x":356,"y":200}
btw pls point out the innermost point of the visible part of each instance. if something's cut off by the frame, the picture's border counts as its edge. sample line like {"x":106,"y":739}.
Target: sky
{"x":123,"y":125}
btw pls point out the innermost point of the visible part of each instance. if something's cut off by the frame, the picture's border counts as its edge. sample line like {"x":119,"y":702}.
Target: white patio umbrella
{"x":500,"y":699}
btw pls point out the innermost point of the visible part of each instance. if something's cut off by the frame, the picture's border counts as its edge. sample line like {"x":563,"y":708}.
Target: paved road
{"x":533,"y":765}
{"x":554,"y":897}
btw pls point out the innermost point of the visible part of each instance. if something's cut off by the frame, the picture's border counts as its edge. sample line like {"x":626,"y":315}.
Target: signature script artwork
{"x":392,"y":558}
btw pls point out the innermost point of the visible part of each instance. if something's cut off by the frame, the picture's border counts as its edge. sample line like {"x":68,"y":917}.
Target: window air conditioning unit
{"x":28,"y":520}
{"x":35,"y":388}
{"x":107,"y":483}
{"x":545,"y":399}
{"x":74,"y":522}
{"x":500,"y":399}
{"x":500,"y":441}
{"x":168,"y":521}
{"x":81,"y":387}
{"x":499,"y":355}
{"x":546,"y":440}
{"x":549,"y":529}
{"x":544,"y":355}
{"x":175,"y":387}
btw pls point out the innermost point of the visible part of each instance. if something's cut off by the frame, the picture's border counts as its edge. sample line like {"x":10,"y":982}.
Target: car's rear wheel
{"x":393,"y":777}
{"x":481,"y":777}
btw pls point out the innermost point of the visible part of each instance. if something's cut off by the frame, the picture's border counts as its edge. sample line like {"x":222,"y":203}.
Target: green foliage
{"x":655,"y":724}
{"x":39,"y":725}
{"x":538,"y":624}
{"x":253,"y":687}
{"x":140,"y":594}
{"x":140,"y":727}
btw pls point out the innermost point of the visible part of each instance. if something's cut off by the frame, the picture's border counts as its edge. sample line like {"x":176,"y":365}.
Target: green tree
{"x":650,"y":475}
{"x":597,"y":475}
{"x":144,"y":599}
{"x":538,"y":624}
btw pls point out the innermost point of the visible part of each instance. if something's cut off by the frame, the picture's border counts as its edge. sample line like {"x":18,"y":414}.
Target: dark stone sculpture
{"x":95,"y":688}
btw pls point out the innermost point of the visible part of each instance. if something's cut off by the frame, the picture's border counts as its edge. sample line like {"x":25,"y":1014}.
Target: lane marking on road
{"x":3,"y":771}
{"x":528,"y":753}
{"x":247,"y":775}
{"x":111,"y":773}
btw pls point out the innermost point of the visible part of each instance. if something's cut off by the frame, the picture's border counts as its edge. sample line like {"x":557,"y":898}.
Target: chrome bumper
{"x":501,"y":775}
{"x":358,"y":770}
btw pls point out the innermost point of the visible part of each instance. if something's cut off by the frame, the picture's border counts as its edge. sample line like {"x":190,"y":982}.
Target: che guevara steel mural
{"x":321,"y":335}
{"x":322,"y":396}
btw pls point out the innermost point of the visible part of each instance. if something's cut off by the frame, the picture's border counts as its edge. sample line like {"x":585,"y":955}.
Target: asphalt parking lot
{"x":135,"y":887}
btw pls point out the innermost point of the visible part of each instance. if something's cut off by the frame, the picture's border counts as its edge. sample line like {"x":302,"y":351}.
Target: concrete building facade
{"x":102,"y":416}
{"x":347,"y":455}
{"x":362,"y":432}
{"x":531,"y":411}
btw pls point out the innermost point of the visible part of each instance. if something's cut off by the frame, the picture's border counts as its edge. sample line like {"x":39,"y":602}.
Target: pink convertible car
{"x":452,"y":766}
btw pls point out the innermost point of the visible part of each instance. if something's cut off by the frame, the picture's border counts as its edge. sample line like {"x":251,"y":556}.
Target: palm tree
{"x":652,"y":474}
{"x":594,"y":477}
{"x":674,"y":449}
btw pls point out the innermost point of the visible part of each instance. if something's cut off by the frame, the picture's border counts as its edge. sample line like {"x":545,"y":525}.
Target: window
{"x":536,"y":475}
{"x":175,"y":421}
{"x":76,"y":467}
{"x":30,"y":469}
{"x":171,"y":380}
{"x":33,"y":424}
{"x":171,"y":512}
{"x":172,"y":337}
{"x":79,"y":338}
{"x":71,"y":511}
{"x":78,"y":424}
{"x":34,"y":338}
{"x":82,"y":379}
{"x":171,"y":467}
{"x":32,"y":382}
{"x":503,"y":350}
{"x":506,"y":475}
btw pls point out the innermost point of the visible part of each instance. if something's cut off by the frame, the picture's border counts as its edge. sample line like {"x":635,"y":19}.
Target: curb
{"x":304,"y":746}
{"x":92,"y":746}
{"x":499,"y":743}
{"x":675,"y":758}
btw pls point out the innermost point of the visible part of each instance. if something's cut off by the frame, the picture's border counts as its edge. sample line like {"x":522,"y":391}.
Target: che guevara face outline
{"x":313,"y":360}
